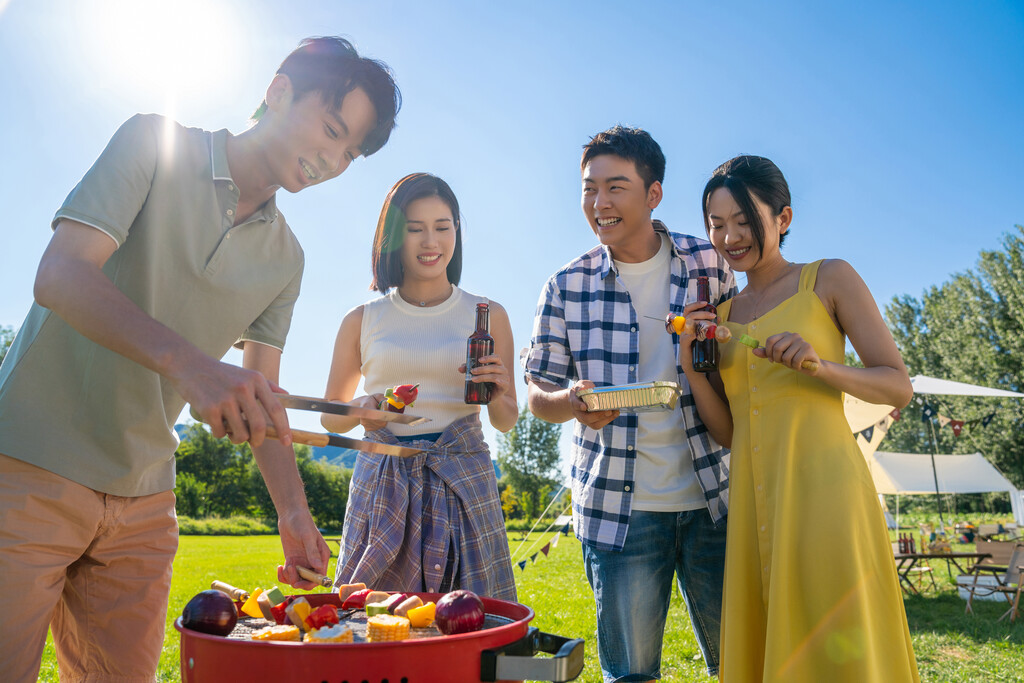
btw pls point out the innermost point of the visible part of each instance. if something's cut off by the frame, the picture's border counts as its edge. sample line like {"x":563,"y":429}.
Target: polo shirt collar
{"x":221,"y":171}
{"x":607,"y":262}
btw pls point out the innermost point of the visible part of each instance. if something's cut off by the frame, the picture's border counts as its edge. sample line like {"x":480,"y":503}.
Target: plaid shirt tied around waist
{"x":407,"y":518}
{"x":585,"y":328}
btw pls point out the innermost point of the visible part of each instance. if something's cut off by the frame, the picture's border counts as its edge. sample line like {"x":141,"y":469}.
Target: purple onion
{"x":210,"y":612}
{"x":460,"y":611}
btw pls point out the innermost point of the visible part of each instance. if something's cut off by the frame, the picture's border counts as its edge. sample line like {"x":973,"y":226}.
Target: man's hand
{"x":303,"y":547}
{"x":597,"y":419}
{"x":234,"y":401}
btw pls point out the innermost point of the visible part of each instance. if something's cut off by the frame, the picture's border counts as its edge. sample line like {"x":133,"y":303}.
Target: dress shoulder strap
{"x":809,"y":275}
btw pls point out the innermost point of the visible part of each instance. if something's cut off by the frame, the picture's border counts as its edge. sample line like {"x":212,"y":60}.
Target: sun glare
{"x":176,"y":50}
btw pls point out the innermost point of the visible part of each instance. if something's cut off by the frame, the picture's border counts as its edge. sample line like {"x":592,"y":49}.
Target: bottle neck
{"x":703,"y":289}
{"x":482,"y":315}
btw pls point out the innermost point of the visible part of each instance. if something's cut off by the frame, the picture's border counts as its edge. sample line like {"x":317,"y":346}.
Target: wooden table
{"x":905,"y":562}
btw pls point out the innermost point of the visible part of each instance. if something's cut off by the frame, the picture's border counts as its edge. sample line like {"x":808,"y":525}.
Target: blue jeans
{"x":632,"y":589}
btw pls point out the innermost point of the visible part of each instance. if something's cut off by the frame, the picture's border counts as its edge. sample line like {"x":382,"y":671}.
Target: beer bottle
{"x":705,"y":351}
{"x":480,"y":344}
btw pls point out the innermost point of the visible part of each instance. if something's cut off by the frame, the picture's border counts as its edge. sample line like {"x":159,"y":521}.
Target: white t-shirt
{"x":665,"y":480}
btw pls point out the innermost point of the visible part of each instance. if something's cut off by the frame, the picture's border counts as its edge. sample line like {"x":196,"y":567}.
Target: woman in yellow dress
{"x":811,"y":593}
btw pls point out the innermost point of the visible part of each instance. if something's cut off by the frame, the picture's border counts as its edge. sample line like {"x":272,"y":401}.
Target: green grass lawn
{"x":951,"y":646}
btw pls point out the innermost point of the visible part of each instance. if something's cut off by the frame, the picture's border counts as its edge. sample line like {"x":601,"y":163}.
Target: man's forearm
{"x":89,"y":302}
{"x":281,"y":474}
{"x":549,"y":402}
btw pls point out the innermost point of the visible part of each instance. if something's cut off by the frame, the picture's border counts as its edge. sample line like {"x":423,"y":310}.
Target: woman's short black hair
{"x":749,"y":175}
{"x":387,"y":242}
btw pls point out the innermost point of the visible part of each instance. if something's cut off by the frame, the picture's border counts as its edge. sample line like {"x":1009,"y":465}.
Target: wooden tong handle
{"x":300,"y":436}
{"x":310,"y":575}
{"x":809,"y":365}
{"x":230,"y":591}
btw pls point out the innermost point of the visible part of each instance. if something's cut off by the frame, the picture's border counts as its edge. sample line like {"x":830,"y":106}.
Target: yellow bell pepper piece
{"x":251,"y":607}
{"x":422,"y":616}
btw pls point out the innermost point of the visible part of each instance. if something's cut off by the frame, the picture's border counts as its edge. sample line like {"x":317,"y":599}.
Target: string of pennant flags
{"x":928,"y":411}
{"x":547,"y":547}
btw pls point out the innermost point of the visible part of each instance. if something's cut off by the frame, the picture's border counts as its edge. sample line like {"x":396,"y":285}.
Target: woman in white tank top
{"x":431,"y":522}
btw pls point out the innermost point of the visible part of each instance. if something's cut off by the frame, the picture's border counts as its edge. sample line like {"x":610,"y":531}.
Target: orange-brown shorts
{"x":94,"y":567}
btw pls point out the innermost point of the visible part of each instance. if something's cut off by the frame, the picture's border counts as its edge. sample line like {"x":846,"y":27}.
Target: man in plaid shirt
{"x":649,"y":490}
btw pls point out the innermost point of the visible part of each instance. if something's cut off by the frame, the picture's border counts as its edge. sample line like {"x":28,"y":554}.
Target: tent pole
{"x":935,"y":474}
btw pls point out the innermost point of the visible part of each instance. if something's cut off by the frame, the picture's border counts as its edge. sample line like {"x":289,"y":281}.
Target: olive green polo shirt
{"x":164,"y":193}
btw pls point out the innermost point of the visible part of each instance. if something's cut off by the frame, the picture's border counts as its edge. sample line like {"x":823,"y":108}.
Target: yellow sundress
{"x":811,"y":592}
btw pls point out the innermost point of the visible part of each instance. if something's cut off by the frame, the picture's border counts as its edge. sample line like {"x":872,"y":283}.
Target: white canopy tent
{"x":911,"y":474}
{"x":923,"y":473}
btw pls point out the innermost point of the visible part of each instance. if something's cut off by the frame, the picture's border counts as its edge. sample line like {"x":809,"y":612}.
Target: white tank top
{"x":400,"y":343}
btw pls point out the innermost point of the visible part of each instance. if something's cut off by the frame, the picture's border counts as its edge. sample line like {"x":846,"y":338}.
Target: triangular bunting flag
{"x":988,"y":418}
{"x":957,"y":425}
{"x":565,"y":529}
{"x":868,"y":433}
{"x":919,"y":400}
{"x":522,"y":565}
{"x":895,"y":413}
{"x":533,"y":558}
{"x":943,"y":421}
{"x":926,"y":412}
{"x":554,"y":542}
{"x":546,"y":548}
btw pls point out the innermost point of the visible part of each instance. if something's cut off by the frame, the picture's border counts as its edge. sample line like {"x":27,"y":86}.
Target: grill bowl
{"x":212,"y":659}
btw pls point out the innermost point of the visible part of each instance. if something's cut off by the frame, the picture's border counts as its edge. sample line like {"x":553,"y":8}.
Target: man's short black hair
{"x":331,"y":67}
{"x":632,"y":144}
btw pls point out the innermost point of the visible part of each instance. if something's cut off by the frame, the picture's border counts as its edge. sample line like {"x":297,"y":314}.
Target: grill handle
{"x":515,"y":661}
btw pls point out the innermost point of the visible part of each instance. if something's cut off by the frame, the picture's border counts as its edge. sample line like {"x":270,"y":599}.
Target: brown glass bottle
{"x":705,"y":352}
{"x":480,"y":344}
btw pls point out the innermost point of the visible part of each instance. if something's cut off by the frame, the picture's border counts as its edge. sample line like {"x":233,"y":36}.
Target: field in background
{"x":951,"y":647}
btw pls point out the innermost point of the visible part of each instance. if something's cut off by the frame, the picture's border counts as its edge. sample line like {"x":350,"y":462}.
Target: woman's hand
{"x":491,"y":369}
{"x":371,"y":401}
{"x":692,"y":312}
{"x":791,"y":350}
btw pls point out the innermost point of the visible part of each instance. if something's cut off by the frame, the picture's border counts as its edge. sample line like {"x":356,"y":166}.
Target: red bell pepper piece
{"x":357,"y":600}
{"x":278,"y":612}
{"x":324,"y":615}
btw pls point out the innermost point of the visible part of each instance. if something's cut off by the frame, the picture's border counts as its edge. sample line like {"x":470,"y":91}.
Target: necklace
{"x":768,"y":288}
{"x":429,"y":302}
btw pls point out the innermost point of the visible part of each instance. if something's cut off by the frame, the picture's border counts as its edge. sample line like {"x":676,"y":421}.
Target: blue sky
{"x":898,"y":125}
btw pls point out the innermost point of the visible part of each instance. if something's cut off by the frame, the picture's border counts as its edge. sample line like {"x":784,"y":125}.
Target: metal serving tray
{"x":641,"y":397}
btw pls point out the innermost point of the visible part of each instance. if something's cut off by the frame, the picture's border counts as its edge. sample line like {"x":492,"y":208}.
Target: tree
{"x":6,"y":337}
{"x":220,"y":467}
{"x":968,"y":329}
{"x":529,"y":459}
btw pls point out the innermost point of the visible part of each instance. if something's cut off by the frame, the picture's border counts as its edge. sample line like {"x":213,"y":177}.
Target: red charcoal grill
{"x":501,"y":653}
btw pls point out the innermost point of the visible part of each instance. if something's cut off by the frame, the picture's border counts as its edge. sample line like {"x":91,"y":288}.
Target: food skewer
{"x":705,"y":329}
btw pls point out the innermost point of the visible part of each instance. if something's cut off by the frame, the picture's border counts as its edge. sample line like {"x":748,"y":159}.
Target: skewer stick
{"x":753,"y":343}
{"x":704,"y":329}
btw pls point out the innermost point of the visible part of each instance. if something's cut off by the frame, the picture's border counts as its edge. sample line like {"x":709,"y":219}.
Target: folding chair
{"x":1009,"y":584}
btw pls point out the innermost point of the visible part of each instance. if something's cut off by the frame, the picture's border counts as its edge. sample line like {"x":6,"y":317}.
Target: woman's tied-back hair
{"x":746,"y":177}
{"x":331,"y":67}
{"x":387,"y":241}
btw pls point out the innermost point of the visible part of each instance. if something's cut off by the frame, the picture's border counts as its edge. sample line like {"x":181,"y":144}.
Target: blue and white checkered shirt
{"x":586,"y":328}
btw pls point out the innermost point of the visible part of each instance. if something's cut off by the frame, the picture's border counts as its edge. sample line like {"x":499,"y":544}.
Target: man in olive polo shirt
{"x":169,"y":250}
